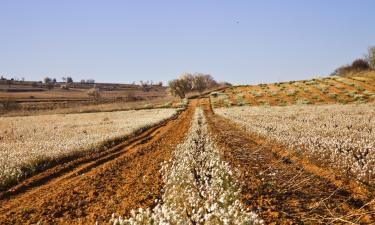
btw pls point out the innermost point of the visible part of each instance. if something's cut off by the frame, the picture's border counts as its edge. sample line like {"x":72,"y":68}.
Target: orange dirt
{"x":124,"y":178}
{"x":285,"y":189}
{"x":280,"y":95}
{"x":366,"y":85}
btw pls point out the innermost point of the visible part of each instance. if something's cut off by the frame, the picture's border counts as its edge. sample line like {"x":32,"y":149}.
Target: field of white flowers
{"x":342,"y":135}
{"x":199,"y":187}
{"x":27,"y":141}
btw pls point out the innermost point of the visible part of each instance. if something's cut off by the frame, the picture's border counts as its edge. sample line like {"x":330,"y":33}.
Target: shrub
{"x":360,"y":64}
{"x":356,"y":66}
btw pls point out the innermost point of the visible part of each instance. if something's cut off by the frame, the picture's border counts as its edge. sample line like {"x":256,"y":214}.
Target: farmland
{"x":341,"y":136}
{"x":299,"y":152}
{"x":28,"y":142}
{"x":329,"y":90}
{"x":19,"y":98}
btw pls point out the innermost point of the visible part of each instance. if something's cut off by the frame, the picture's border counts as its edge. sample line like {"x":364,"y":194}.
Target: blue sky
{"x":242,"y":42}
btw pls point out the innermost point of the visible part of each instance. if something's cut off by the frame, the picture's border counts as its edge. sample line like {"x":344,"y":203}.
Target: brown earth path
{"x":284,"y":189}
{"x":126,"y":178}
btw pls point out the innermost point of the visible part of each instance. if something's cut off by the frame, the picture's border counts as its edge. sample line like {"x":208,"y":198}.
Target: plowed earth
{"x":285,"y":189}
{"x":280,"y":187}
{"x":91,"y":189}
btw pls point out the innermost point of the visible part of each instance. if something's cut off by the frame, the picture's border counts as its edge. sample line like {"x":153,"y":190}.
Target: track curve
{"x":91,"y":188}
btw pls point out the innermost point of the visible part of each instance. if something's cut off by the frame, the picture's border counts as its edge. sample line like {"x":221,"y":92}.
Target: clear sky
{"x":242,"y":42}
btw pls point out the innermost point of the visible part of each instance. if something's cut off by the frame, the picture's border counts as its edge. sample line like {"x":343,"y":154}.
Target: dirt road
{"x":91,"y":189}
{"x":280,"y":187}
{"x":285,"y":189}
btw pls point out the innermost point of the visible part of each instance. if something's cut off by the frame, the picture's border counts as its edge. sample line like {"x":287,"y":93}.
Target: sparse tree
{"x":199,"y":83}
{"x":188,"y":77}
{"x":145,"y":85}
{"x":210,"y":81}
{"x":179,"y":87}
{"x":69,"y":80}
{"x":47,"y":80}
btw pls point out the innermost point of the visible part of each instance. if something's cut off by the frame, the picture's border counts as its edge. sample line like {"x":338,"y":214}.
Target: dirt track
{"x":91,"y":189}
{"x":281,"y":188}
{"x":284,"y":189}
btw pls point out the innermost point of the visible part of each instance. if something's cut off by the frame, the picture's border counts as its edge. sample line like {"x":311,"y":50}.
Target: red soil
{"x":126,"y":178}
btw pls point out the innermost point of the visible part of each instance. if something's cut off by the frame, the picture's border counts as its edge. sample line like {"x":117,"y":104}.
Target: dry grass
{"x":80,"y":107}
{"x":328,"y":90}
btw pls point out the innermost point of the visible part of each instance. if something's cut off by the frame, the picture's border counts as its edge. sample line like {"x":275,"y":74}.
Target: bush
{"x":360,"y":64}
{"x":356,"y":66}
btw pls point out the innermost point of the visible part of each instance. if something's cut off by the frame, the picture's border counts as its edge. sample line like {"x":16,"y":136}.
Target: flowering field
{"x":199,"y":187}
{"x":341,"y":135}
{"x":26,"y":142}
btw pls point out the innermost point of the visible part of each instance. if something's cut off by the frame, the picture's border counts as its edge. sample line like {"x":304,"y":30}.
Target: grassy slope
{"x":357,"y":88}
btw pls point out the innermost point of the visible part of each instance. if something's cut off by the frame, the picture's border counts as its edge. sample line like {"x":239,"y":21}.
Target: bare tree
{"x":179,"y":87}
{"x":199,"y":83}
{"x":210,"y":81}
{"x":370,"y":57}
{"x":188,"y":77}
{"x":146,"y":85}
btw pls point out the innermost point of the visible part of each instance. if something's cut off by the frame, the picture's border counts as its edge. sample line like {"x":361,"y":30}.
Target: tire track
{"x":281,"y":188}
{"x":91,"y":188}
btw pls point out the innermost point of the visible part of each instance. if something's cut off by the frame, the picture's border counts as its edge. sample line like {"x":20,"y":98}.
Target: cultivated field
{"x":28,"y":143}
{"x":198,"y":186}
{"x":31,"y":98}
{"x":342,"y":136}
{"x":342,"y":90}
{"x":299,"y":152}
